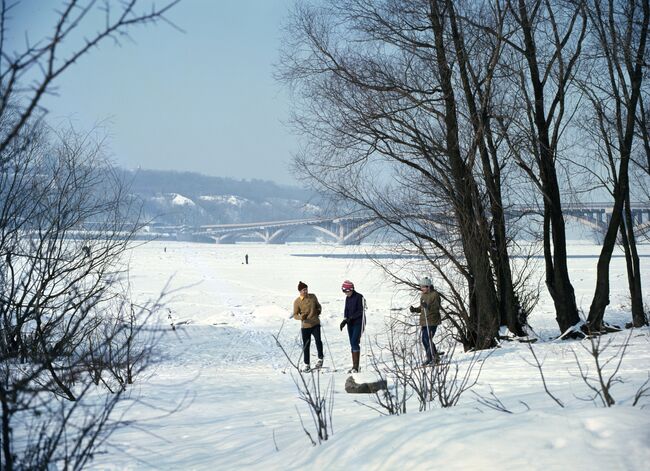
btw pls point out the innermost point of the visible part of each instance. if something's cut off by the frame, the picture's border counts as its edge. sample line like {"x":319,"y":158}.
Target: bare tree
{"x":70,"y":342}
{"x":394,"y":128}
{"x":43,"y":62}
{"x":398,"y":364}
{"x":544,"y":43}
{"x":601,"y":378}
{"x":619,"y":40}
{"x":319,"y":401}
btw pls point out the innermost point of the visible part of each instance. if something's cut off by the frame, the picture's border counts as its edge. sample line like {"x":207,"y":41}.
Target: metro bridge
{"x":597,"y":215}
{"x":351,"y":230}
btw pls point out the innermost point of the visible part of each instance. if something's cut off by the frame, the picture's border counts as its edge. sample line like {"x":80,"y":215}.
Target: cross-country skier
{"x":307,"y":309}
{"x":429,"y":310}
{"x":354,"y":317}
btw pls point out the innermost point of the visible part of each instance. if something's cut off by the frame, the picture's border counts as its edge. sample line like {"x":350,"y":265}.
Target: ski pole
{"x":293,"y":351}
{"x":328,"y":347}
{"x":363,"y":331}
{"x":281,"y":327}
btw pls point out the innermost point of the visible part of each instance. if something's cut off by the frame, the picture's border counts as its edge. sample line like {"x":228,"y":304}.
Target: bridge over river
{"x":351,"y":230}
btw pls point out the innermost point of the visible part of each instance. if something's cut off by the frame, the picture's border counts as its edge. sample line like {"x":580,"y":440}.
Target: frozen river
{"x":238,"y":406}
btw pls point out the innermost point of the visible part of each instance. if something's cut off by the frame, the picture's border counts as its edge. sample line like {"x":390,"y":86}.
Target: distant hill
{"x":171,"y":197}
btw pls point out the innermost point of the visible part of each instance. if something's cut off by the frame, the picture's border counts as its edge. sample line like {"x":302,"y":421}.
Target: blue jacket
{"x":353,"y":306}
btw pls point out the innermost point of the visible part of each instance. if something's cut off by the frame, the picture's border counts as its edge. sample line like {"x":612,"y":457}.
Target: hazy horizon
{"x":202,"y":99}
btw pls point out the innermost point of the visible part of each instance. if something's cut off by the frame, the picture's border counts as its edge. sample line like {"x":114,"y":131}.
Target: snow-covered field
{"x":238,"y":405}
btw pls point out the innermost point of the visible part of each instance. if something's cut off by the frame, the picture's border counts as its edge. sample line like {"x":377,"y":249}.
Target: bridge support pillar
{"x":348,"y":232}
{"x":224,"y":240}
{"x":274,"y":236}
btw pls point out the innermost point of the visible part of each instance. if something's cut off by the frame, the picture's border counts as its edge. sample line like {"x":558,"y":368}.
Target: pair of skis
{"x":324,"y":369}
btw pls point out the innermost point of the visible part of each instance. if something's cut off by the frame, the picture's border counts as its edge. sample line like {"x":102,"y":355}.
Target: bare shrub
{"x":643,"y":391}
{"x":451,"y":378}
{"x":71,"y":341}
{"x":319,"y":401}
{"x":601,"y":375}
{"x":393,"y":363}
{"x":539,"y":365}
{"x":599,"y":371}
{"x":68,"y":348}
{"x":399,"y":364}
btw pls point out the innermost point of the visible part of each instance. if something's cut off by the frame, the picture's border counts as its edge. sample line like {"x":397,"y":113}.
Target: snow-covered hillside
{"x":238,"y":406}
{"x":186,"y":198}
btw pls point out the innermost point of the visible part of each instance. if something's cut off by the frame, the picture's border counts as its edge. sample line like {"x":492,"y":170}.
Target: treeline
{"x":72,"y":340}
{"x":192,"y":184}
{"x":206,"y":199}
{"x":417,"y":107}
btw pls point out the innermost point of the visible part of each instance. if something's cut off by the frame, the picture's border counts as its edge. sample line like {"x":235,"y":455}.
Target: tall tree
{"x":67,"y":330}
{"x":477,"y":66}
{"x":396,"y":128}
{"x":544,"y":43}
{"x":619,"y":33}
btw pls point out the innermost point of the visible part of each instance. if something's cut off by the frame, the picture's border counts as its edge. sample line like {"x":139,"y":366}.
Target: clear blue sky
{"x":201,"y":100}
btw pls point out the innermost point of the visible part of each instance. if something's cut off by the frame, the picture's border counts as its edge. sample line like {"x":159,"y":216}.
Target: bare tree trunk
{"x":601,"y":294}
{"x":644,"y":132}
{"x":509,"y":307}
{"x":557,"y":275}
{"x":6,"y":431}
{"x":469,"y":211}
{"x":626,"y":102}
{"x":639,"y":317}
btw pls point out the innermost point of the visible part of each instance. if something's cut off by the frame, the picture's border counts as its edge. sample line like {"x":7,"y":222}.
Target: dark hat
{"x":301,"y":286}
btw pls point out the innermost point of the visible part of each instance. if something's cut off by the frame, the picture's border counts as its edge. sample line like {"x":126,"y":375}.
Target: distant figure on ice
{"x":354,"y":316}
{"x":307,"y":309}
{"x":429,"y":310}
{"x":246,"y":258}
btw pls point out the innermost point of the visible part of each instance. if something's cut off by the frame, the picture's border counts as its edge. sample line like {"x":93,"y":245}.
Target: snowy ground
{"x":238,"y":403}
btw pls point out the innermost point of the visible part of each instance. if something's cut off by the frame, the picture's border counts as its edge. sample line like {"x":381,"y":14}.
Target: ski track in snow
{"x":238,"y":399}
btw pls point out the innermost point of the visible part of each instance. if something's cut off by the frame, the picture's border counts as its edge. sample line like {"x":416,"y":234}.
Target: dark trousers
{"x":306,"y":342}
{"x":355,"y":327}
{"x":427,"y":340}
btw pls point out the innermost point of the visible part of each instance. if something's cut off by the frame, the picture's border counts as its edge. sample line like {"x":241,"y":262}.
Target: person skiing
{"x":307,"y":309}
{"x":429,"y":310}
{"x":355,"y":318}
